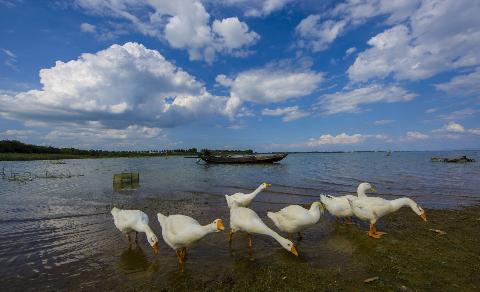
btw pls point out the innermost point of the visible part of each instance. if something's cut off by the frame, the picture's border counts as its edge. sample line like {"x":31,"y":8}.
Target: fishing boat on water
{"x":242,"y":158}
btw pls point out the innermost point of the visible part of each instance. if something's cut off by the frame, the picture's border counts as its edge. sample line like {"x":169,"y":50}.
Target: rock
{"x":460,"y":159}
{"x":438,"y":231}
{"x":371,"y":279}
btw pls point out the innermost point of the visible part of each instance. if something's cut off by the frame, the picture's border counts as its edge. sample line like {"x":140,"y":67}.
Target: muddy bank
{"x":333,"y":257}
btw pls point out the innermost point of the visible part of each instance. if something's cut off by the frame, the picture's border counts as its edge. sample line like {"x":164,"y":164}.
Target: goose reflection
{"x":134,"y":259}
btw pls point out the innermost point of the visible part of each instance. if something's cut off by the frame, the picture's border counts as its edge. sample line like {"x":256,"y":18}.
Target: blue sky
{"x":270,"y":75}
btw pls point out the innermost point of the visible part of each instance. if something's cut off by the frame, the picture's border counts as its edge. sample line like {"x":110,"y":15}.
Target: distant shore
{"x":59,"y":156}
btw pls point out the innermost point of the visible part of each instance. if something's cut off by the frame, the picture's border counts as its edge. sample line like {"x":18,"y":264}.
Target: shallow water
{"x":58,"y":234}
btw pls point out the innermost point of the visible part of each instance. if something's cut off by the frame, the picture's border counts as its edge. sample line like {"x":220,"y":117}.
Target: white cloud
{"x":234,"y":33}
{"x":183,"y":24}
{"x":459,"y":114}
{"x":10,"y":59}
{"x":468,"y":84}
{"x":431,"y":110}
{"x":16,"y":134}
{"x":95,"y":131}
{"x":416,"y":136}
{"x":350,"y":51}
{"x":451,"y":127}
{"x":117,"y":87}
{"x":339,"y":139}
{"x":288,"y":113}
{"x":350,"y":101}
{"x":317,"y":32}
{"x":269,"y":85}
{"x":256,"y":8}
{"x":382,"y":122}
{"x":87,"y":27}
{"x":474,"y":131}
{"x":438,"y":36}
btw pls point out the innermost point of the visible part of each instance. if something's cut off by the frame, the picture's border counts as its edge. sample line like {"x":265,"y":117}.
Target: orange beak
{"x":294,"y":251}
{"x":220,"y":225}
{"x":268,"y":185}
{"x":424,"y":216}
{"x":155,"y":248}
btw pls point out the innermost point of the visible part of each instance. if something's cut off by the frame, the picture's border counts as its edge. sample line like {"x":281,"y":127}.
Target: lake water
{"x":58,"y":234}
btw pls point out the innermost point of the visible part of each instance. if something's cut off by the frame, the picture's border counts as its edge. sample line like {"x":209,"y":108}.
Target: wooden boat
{"x":240,"y":159}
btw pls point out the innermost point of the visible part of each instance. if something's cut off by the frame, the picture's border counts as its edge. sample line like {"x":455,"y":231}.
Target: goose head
{"x":420,"y":212}
{"x":265,"y":185}
{"x":217,"y":225}
{"x":288,"y":245}
{"x":365,"y":186}
{"x":153,"y":241}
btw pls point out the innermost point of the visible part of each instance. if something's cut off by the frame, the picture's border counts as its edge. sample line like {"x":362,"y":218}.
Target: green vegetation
{"x":11,"y":150}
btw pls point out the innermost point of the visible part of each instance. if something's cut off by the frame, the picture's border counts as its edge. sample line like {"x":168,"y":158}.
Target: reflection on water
{"x":58,"y":234}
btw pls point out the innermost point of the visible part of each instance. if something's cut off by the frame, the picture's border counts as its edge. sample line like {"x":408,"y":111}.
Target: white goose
{"x":244,"y":219}
{"x":373,"y":208}
{"x":244,"y":200}
{"x":128,"y":221}
{"x":339,"y":206}
{"x":180,"y":232}
{"x":295,"y":218}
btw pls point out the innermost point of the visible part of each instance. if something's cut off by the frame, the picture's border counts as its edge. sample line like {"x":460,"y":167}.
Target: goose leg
{"x":300,"y":237}
{"x":374,"y":233}
{"x":184,"y":253}
{"x":250,"y":244}
{"x":179,"y":256}
{"x":337,"y":220}
{"x":136,"y":237}
{"x":230,"y":237}
{"x":129,"y":240}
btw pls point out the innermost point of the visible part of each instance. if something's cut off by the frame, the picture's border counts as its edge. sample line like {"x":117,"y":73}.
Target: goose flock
{"x":181,"y":232}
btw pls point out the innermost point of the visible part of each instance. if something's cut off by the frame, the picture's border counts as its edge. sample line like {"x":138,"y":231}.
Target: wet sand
{"x":332,"y":257}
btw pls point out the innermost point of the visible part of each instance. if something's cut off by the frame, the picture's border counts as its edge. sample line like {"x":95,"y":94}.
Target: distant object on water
{"x":242,"y":158}
{"x":460,"y":159}
{"x":126,"y":180}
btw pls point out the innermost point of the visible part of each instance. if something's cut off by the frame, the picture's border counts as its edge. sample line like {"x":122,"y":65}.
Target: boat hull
{"x":243,"y":159}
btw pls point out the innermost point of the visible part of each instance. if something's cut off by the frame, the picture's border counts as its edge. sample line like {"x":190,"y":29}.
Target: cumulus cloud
{"x":269,"y":85}
{"x":16,"y":134}
{"x":351,"y":100}
{"x":87,"y":27}
{"x":342,"y":138}
{"x":256,"y":8}
{"x":183,"y":24}
{"x":317,"y":31}
{"x":317,"y":34}
{"x":350,"y":51}
{"x":118,"y":87}
{"x":416,"y":136}
{"x":438,"y":36}
{"x":288,"y":113}
{"x":467,"y":84}
{"x":451,"y":127}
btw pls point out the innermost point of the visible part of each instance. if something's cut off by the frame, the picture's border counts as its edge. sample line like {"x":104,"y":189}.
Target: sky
{"x":268,"y":75}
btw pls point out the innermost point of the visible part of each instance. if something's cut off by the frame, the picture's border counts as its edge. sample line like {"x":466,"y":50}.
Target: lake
{"x":58,"y":233}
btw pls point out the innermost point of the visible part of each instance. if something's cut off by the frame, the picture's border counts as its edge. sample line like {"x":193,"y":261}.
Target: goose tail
{"x":273,"y":217}
{"x":161,"y":218}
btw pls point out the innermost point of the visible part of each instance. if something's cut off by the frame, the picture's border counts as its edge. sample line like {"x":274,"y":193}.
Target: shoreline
{"x":48,"y":156}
